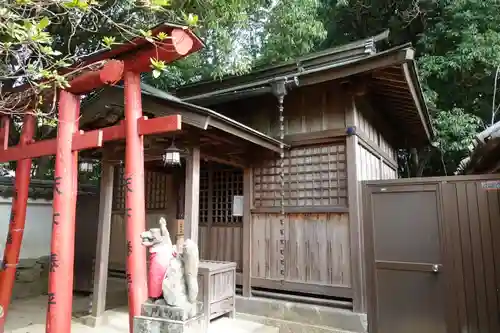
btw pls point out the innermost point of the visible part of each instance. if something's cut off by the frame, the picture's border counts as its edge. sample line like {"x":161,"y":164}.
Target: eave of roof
{"x":355,"y":50}
{"x":401,"y":57}
{"x":216,"y":120}
{"x":194,"y":115}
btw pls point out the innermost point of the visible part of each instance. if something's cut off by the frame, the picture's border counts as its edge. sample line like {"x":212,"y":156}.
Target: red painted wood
{"x":16,"y":224}
{"x":129,"y":50}
{"x":135,"y":212}
{"x":74,"y":185}
{"x":87,"y":140}
{"x":4,"y":132}
{"x":113,"y":133}
{"x":92,"y":139}
{"x":159,"y":125}
{"x":60,"y":296}
{"x":111,"y":73}
{"x":177,"y":46}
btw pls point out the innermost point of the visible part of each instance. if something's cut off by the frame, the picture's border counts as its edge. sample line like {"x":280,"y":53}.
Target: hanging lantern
{"x":172,"y":156}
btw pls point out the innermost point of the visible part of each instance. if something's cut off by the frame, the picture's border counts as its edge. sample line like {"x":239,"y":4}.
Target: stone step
{"x":284,"y":326}
{"x":239,"y":326}
{"x":301,"y":313}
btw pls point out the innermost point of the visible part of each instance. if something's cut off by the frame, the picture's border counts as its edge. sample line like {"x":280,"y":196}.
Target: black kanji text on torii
{"x":9,"y":238}
{"x":127,"y":211}
{"x":55,"y":218}
{"x":127,"y":182}
{"x":57,"y":184}
{"x":12,"y":215}
{"x":129,"y":248}
{"x":54,"y":262}
{"x":129,"y":281}
{"x":52,"y":300}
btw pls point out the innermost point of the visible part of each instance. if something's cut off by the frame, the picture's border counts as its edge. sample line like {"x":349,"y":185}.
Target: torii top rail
{"x":125,"y":62}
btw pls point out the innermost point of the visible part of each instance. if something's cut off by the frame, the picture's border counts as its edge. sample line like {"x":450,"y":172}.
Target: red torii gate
{"x":128,"y":61}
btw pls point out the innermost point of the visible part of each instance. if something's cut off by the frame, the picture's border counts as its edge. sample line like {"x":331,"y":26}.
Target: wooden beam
{"x":326,"y":136}
{"x":355,"y":234}
{"x":192,"y":202}
{"x":247,"y":231}
{"x":335,"y":72}
{"x":416,"y":94}
{"x":4,"y":132}
{"x":302,"y":210}
{"x":221,"y":160}
{"x":302,"y":287}
{"x":103,"y":242}
{"x":159,"y":125}
{"x":81,"y":141}
{"x":92,"y":139}
{"x":375,"y":150}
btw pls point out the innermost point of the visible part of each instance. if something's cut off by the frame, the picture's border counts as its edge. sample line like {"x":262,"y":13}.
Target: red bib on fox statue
{"x":161,"y":252}
{"x":159,"y":259}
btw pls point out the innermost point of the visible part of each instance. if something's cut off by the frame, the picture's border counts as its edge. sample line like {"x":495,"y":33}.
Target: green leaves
{"x":458,"y":49}
{"x":292,"y":30}
{"x":158,"y":66}
{"x":79,"y":4}
{"x":191,"y":19}
{"x":148,"y":35}
{"x":49,"y":51}
{"x":162,"y":36}
{"x":159,"y":4}
{"x":108,"y":41}
{"x":44,"y":23}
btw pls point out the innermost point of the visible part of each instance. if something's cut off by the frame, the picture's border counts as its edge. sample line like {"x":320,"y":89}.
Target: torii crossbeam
{"x":123,"y":63}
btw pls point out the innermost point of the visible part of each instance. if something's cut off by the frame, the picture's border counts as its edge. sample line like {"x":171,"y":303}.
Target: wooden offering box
{"x":217,"y":287}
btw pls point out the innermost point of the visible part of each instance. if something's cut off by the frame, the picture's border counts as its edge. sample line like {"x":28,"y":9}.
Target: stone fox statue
{"x":172,"y":275}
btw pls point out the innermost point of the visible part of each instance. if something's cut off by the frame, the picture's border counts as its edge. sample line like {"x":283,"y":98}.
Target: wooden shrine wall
{"x":306,"y":109}
{"x":220,"y":235}
{"x":317,"y":254}
{"x":376,"y":157}
{"x":160,"y":202}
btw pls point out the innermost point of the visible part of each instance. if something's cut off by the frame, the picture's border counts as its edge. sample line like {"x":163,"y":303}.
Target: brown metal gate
{"x":432,"y":249}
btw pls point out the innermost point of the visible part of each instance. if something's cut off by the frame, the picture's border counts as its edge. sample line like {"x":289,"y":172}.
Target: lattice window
{"x":119,"y":190}
{"x":155,"y":190}
{"x":204,"y":197}
{"x":314,"y":176}
{"x":226,"y":184}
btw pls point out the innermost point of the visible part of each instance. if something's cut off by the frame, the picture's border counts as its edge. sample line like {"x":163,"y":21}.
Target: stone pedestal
{"x":144,"y":324}
{"x":157,"y":318}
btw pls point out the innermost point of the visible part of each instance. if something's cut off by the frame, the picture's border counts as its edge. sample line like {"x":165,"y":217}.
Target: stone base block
{"x":144,"y":324}
{"x":155,"y":310}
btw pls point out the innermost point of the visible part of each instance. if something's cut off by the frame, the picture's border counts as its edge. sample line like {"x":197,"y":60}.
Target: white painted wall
{"x":37,"y":232}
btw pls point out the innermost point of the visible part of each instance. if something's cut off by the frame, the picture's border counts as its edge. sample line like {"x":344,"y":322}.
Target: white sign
{"x":238,"y":205}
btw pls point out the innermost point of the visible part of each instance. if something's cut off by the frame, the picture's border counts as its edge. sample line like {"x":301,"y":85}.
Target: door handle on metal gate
{"x":436,"y":268}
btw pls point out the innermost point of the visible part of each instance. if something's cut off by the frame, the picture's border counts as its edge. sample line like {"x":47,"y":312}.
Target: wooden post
{"x":62,"y":250}
{"x":180,"y":185}
{"x":247,"y":231}
{"x":103,"y":241}
{"x":17,"y":218}
{"x":135,"y":211}
{"x":192,"y":202}
{"x":355,"y":229}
